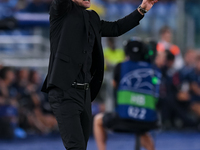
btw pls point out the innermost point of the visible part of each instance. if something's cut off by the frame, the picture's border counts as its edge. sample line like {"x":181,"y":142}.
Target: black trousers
{"x":72,"y":109}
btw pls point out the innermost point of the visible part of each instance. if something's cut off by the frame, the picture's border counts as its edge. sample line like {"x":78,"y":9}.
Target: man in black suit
{"x":76,"y":63}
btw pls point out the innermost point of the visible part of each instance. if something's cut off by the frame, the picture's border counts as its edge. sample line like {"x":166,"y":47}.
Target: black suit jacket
{"x":68,"y":38}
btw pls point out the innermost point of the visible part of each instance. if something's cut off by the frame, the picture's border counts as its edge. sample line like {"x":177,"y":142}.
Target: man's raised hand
{"x":148,"y":4}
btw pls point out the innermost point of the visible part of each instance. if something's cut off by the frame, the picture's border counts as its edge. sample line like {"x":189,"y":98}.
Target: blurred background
{"x":25,"y":115}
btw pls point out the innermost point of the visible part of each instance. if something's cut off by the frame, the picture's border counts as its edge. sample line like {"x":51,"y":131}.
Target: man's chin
{"x":86,"y":6}
{"x":86,"y":3}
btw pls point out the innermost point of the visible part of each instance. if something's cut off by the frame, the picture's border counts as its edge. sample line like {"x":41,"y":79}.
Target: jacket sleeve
{"x":59,"y":7}
{"x":117,"y":28}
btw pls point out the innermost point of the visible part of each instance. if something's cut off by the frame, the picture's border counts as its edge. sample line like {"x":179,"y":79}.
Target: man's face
{"x":190,"y":58}
{"x":167,"y":36}
{"x":82,"y":3}
{"x":10,"y":76}
{"x":160,"y":59}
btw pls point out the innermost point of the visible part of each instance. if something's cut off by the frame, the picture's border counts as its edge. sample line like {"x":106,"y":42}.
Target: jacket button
{"x":84,"y":52}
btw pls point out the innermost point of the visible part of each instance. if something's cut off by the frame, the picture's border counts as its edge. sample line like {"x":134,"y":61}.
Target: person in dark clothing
{"x":131,"y":82}
{"x":8,"y":104}
{"x":173,"y":94}
{"x":195,"y":87}
{"x":76,"y":63}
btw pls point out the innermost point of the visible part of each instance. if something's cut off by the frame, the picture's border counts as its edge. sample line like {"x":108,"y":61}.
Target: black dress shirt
{"x":85,"y":75}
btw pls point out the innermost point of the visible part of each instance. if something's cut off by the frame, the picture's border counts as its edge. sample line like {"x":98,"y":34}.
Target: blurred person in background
{"x":22,"y":80}
{"x":160,"y":59}
{"x":186,"y":77}
{"x":166,"y":43}
{"x":76,"y":65}
{"x":137,"y":57}
{"x":167,"y":93}
{"x":35,"y":80}
{"x":31,"y":103}
{"x":37,"y":6}
{"x":41,"y":110}
{"x":187,"y":80}
{"x":167,"y":70}
{"x":7,"y":78}
{"x":174,"y":113}
{"x":195,"y":88}
{"x":112,"y":54}
{"x":35,"y":85}
{"x":9,"y":116}
{"x":189,"y":64}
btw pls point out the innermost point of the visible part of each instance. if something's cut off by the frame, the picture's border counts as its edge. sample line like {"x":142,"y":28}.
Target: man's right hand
{"x":148,"y":4}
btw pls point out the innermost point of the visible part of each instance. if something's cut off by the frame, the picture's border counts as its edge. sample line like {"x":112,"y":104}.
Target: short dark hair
{"x":164,"y":29}
{"x":3,"y":72}
{"x":169,"y":56}
{"x":111,"y":39}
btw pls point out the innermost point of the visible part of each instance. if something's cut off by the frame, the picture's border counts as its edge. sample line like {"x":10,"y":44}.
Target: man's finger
{"x":154,"y":1}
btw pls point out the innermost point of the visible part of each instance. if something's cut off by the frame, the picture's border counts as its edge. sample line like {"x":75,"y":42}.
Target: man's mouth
{"x":86,"y":0}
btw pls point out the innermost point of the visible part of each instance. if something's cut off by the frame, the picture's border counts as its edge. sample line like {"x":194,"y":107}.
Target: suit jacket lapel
{"x":98,"y":48}
{"x":95,"y":28}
